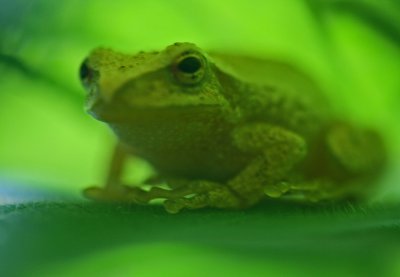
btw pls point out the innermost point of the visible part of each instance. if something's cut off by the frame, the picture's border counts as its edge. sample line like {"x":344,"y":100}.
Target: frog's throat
{"x":131,"y":115}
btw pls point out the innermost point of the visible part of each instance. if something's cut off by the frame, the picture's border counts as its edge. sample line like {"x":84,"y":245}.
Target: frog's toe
{"x":95,"y":193}
{"x":174,"y":206}
{"x":194,"y":202}
{"x":115,"y":194}
{"x":276,"y":190}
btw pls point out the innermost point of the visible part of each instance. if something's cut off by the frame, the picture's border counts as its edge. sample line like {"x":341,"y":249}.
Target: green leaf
{"x":76,"y":238}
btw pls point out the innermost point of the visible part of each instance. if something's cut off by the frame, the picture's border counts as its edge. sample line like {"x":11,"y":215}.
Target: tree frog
{"x":224,"y":131}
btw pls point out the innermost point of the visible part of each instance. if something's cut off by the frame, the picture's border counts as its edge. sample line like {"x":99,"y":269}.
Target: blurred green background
{"x":50,"y":149}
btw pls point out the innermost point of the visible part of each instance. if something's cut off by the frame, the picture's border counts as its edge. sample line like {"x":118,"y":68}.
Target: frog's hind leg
{"x":343,"y":166}
{"x":357,"y":156}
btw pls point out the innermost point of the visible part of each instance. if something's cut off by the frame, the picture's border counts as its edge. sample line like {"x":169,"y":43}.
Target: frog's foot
{"x":187,"y":194}
{"x":310,"y":191}
{"x":219,"y":197}
{"x":118,"y":194}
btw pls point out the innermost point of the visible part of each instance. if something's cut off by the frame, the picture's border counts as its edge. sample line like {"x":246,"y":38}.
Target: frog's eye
{"x":86,"y":73}
{"x":189,"y":68}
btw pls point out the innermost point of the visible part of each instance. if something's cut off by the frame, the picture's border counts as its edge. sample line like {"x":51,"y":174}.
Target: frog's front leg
{"x":177,"y":196}
{"x":113,"y":190}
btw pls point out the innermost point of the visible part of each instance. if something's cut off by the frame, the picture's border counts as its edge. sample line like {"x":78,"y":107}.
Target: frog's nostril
{"x":84,"y":71}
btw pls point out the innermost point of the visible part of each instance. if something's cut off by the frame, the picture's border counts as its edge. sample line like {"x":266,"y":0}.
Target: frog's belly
{"x":201,"y":152}
{"x":211,"y":164}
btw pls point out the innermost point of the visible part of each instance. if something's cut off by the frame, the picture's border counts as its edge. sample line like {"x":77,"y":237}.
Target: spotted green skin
{"x":246,"y":130}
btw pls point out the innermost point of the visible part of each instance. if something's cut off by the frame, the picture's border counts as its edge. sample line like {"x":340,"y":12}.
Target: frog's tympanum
{"x":224,"y":131}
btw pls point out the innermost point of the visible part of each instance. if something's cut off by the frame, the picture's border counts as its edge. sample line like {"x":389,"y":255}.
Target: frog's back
{"x":272,"y":91}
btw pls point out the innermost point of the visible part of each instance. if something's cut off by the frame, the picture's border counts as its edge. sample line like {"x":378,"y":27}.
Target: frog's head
{"x":122,"y":86}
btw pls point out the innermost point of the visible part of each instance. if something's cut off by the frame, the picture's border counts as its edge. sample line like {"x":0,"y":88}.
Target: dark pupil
{"x":84,"y":70}
{"x":189,"y":65}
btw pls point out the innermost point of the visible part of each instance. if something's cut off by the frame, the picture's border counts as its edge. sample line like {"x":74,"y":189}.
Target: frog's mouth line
{"x":122,"y":114}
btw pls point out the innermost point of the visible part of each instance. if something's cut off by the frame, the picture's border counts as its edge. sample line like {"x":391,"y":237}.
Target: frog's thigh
{"x":358,"y":151}
{"x":279,"y":150}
